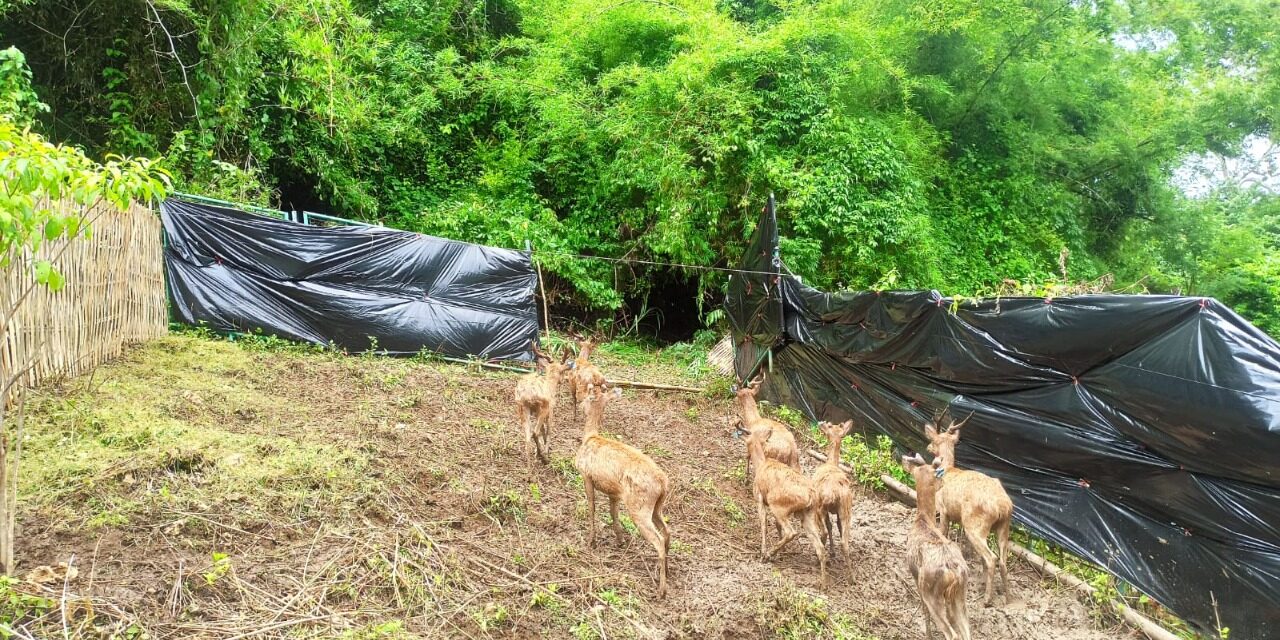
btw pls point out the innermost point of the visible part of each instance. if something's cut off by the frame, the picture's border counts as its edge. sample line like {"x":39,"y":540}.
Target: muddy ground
{"x":286,"y":494}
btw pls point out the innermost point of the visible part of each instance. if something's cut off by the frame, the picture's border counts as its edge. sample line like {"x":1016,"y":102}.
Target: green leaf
{"x":53,"y":228}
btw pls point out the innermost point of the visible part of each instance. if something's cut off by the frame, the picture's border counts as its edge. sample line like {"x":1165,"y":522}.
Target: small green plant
{"x":490,"y":617}
{"x":566,"y":468}
{"x":220,"y":568}
{"x":737,"y":472}
{"x":534,"y":492}
{"x":584,"y":631}
{"x":18,"y":606}
{"x":547,"y":598}
{"x":505,"y":506}
{"x":389,"y":630}
{"x":610,"y":597}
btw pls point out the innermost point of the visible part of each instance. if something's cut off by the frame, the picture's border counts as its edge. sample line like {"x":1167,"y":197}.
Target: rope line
{"x":655,"y":263}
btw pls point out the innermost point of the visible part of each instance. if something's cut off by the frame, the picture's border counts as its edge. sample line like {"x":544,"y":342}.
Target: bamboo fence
{"x":114,"y":296}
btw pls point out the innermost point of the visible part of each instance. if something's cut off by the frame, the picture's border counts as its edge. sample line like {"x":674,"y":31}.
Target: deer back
{"x":617,"y":468}
{"x":972,"y":494}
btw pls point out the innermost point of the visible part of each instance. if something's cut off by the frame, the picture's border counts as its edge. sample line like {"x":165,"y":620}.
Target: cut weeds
{"x":209,"y":489}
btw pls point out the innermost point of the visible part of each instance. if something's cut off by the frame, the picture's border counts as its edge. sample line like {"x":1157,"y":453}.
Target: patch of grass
{"x":732,"y":510}
{"x":490,"y":617}
{"x":505,"y":507}
{"x":658,"y":451}
{"x":159,"y":431}
{"x":547,"y":598}
{"x":485,"y":424}
{"x":791,"y":614}
{"x":737,"y":472}
{"x":389,"y":630}
{"x":565,"y":466}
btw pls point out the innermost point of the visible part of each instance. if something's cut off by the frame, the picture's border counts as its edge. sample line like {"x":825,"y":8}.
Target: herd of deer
{"x":625,"y":474}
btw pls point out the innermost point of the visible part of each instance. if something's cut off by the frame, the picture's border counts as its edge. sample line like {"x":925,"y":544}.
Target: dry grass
{"x":213,"y":490}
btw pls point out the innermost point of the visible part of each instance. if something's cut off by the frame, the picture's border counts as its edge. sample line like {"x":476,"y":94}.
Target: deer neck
{"x":925,"y":503}
{"x":833,"y":450}
{"x":750,"y":411}
{"x":592,"y":417}
{"x":947,"y":455}
{"x":755,"y":453}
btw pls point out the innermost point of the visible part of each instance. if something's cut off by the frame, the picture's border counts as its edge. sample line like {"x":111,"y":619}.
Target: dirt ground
{"x":285,"y":494}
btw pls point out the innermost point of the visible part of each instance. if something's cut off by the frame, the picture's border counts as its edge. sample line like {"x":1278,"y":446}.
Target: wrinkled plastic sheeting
{"x":359,"y":288}
{"x":1139,"y":432}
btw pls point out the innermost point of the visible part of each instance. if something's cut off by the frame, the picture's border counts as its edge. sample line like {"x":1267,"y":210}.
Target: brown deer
{"x":583,"y":373}
{"x":782,"y":491}
{"x":780,"y":443}
{"x":624,"y":474}
{"x":935,"y":562}
{"x":835,"y":489}
{"x":975,"y":500}
{"x":536,"y":402}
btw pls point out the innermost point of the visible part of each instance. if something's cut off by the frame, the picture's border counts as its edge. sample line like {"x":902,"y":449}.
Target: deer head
{"x":942,"y":443}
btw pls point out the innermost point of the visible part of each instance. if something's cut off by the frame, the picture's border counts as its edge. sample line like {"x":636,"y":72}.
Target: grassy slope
{"x":206,"y":488}
{"x":212,"y":488}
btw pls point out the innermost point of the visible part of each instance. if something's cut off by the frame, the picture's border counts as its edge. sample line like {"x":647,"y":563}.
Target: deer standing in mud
{"x":835,"y":489}
{"x":625,"y":474}
{"x":783,"y":492}
{"x":536,"y":402}
{"x":935,"y":562}
{"x":779,"y":443}
{"x":975,"y":500}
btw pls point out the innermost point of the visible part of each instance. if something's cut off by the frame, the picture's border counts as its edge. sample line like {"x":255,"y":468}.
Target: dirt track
{"x":457,"y":538}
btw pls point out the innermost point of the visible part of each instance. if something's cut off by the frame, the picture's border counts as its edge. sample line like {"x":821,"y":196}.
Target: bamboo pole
{"x":1140,"y":622}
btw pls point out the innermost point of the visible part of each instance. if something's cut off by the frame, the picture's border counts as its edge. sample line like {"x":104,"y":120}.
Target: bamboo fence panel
{"x":114,"y":296}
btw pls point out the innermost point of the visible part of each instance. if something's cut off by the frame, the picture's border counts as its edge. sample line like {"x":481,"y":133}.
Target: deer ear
{"x":848,"y":425}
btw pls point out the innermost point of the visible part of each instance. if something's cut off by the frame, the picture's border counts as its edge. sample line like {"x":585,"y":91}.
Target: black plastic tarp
{"x":359,"y":288}
{"x":1139,"y":432}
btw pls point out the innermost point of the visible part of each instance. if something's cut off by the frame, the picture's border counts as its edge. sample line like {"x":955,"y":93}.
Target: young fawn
{"x":784,"y":492}
{"x":935,"y":562}
{"x":780,"y":443}
{"x":536,"y":402}
{"x":583,"y":373}
{"x":835,"y":489}
{"x":975,"y":500}
{"x":624,"y":474}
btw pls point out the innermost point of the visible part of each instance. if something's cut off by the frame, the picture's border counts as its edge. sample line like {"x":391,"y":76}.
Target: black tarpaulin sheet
{"x":1139,"y":432}
{"x":356,"y":287}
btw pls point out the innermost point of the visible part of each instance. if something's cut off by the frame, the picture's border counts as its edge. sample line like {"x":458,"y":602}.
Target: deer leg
{"x":591,"y":510}
{"x":959,"y":618}
{"x":933,"y":610}
{"x":643,"y":515}
{"x":617,"y":526}
{"x":815,"y":538}
{"x":659,"y":523}
{"x":527,"y":431}
{"x":1002,"y":542}
{"x":764,"y":526}
{"x":789,"y":532}
{"x":978,"y":539}
{"x":846,"y":521}
{"x":544,"y":425}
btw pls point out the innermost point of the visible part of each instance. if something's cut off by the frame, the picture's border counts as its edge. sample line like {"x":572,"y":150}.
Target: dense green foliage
{"x":35,"y":174}
{"x":951,"y":144}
